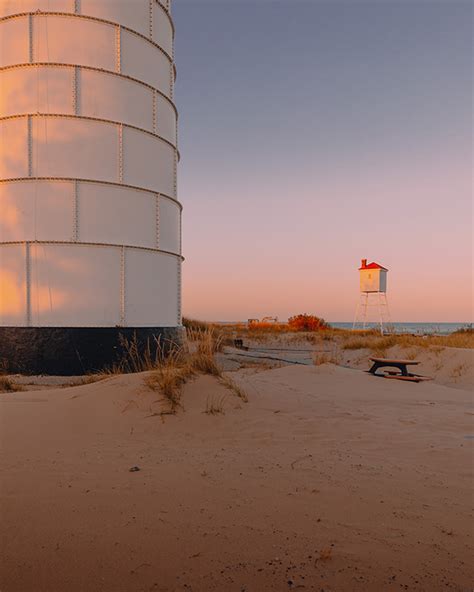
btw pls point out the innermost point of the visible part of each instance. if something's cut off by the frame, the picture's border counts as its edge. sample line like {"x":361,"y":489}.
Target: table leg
{"x":375,"y":367}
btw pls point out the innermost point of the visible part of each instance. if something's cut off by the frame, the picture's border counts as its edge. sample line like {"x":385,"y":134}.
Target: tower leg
{"x":380,"y":313}
{"x":356,"y":316}
{"x":365,"y":305}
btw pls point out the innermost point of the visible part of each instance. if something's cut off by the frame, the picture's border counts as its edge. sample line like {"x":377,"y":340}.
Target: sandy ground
{"x":327,"y":479}
{"x":448,"y":366}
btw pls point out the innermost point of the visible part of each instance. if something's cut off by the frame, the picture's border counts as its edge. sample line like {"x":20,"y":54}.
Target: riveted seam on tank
{"x":180,"y":231}
{"x":75,"y":91}
{"x":30,"y":39}
{"x":150,"y":18}
{"x":97,"y":181}
{"x":75,"y":228}
{"x":118,"y":49}
{"x":91,"y":18}
{"x":122,"y":285}
{"x":88,"y":118}
{"x":155,"y":122}
{"x":30,"y":146}
{"x":28,"y":282}
{"x":94,"y":244}
{"x":120,"y":154}
{"x":157,"y":220}
{"x":179,"y":295}
{"x":103,"y":70}
{"x":175,"y":174}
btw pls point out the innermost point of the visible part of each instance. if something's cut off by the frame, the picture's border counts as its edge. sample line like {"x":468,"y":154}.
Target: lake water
{"x":416,"y":328}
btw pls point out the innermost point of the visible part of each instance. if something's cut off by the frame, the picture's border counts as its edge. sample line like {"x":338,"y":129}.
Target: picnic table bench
{"x":392,"y":363}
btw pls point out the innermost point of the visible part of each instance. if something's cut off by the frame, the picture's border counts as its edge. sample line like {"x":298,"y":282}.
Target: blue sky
{"x":317,"y":133}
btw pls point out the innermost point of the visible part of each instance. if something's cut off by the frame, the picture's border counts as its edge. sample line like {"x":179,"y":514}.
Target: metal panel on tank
{"x":76,"y":148}
{"x":148,"y":162}
{"x":13,"y":293}
{"x":151,"y":289}
{"x":117,"y":215}
{"x":74,"y":40}
{"x":142,"y":60}
{"x":26,"y":206}
{"x":109,"y":96}
{"x":165,"y":119}
{"x":42,"y":89}
{"x":132,"y":14}
{"x":14,"y":42}
{"x":75,"y":285}
{"x":9,"y":7}
{"x":170,"y":226}
{"x":14,"y":154}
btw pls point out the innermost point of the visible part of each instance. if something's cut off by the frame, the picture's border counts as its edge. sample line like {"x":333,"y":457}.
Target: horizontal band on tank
{"x":69,"y":351}
{"x":87,"y":118}
{"x":65,"y":285}
{"x":91,"y":18}
{"x":118,"y":74}
{"x":84,"y":244}
{"x":91,"y":181}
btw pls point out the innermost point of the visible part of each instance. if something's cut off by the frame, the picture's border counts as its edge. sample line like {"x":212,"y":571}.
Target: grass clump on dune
{"x":206,"y":343}
{"x":169,"y":378}
{"x":215,"y":404}
{"x":230,"y":384}
{"x":174,"y":369}
{"x":7,"y":386}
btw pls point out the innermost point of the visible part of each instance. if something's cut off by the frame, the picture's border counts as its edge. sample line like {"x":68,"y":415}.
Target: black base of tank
{"x":68,"y":351}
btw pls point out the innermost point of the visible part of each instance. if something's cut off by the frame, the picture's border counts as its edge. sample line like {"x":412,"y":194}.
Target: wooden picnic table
{"x":392,"y":363}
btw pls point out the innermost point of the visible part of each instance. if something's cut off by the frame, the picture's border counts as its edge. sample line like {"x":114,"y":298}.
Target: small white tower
{"x":373,"y":294}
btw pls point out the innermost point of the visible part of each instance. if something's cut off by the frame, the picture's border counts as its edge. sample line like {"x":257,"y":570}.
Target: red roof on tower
{"x":372,"y":265}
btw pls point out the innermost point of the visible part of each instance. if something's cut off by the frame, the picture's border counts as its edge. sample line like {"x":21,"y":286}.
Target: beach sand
{"x":327,"y":479}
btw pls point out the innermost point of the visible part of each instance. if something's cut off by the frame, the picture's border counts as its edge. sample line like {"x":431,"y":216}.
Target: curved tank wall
{"x":90,"y":225}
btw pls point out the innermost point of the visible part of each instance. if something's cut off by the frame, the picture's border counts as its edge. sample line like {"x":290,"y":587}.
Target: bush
{"x":306,"y":322}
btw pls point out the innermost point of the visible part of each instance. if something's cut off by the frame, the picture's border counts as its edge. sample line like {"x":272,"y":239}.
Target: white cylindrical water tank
{"x":90,"y":224}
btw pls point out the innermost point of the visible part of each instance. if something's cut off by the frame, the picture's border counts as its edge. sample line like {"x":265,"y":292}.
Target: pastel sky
{"x":314,"y":134}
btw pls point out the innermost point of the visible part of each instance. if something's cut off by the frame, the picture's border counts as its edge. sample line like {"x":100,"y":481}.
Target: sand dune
{"x":328,"y":479}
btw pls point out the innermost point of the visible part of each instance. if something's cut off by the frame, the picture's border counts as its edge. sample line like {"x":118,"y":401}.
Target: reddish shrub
{"x":306,"y":322}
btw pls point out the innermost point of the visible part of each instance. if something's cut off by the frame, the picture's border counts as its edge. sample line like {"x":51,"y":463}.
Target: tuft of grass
{"x":230,"y":384}
{"x":169,"y":378}
{"x":173,"y":370}
{"x":215,"y":404}
{"x":208,"y":343}
{"x":7,"y":386}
